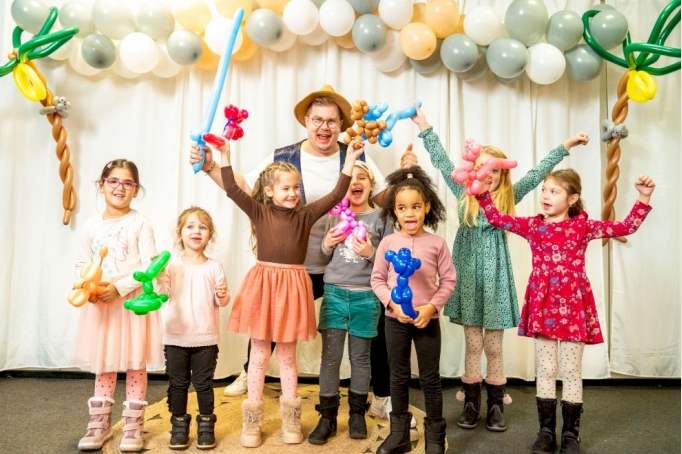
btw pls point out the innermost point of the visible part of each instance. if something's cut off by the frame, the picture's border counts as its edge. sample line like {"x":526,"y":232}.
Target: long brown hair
{"x":267,"y":178}
{"x":204,"y":218}
{"x":570,"y":181}
{"x":503,"y":195}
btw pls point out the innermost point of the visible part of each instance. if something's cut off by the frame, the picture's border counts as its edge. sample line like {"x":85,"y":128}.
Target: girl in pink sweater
{"x":197,"y":289}
{"x":412,"y":202}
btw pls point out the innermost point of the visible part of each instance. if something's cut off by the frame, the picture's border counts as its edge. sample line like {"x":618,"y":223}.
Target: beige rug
{"x":228,"y":428}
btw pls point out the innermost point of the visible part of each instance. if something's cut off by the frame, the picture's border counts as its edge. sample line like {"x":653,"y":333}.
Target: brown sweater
{"x":282,"y":233}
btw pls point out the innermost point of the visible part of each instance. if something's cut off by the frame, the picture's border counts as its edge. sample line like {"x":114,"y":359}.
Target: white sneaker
{"x":238,"y":386}
{"x":381,"y":407}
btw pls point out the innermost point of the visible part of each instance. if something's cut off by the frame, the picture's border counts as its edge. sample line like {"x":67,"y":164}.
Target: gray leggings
{"x":332,"y":353}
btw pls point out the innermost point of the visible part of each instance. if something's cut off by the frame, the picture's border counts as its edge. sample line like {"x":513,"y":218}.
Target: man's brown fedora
{"x":326,"y":91}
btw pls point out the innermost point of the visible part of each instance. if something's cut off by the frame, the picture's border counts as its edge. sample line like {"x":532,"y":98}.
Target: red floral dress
{"x":559,"y":303}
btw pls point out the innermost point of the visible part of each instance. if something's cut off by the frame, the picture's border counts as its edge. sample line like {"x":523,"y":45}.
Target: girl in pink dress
{"x":559,"y":309}
{"x":110,"y":338}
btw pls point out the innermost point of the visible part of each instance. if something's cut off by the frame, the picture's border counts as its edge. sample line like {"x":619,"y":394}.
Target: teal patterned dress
{"x":485,"y":294}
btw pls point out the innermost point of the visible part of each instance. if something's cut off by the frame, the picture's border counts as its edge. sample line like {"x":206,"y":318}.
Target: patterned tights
{"x":570,"y":359}
{"x":258,"y":363}
{"x":136,"y":384}
{"x":476,"y":343}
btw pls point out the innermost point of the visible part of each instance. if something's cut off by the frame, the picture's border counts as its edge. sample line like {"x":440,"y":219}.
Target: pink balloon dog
{"x":232,"y":130}
{"x":347,"y":223}
{"x":472,"y":178}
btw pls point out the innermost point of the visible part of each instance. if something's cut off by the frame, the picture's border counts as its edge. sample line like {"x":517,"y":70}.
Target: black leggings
{"x":195,"y":364}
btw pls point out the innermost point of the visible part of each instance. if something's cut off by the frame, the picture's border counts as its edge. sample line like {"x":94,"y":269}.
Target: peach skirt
{"x":110,"y":338}
{"x":275,"y":303}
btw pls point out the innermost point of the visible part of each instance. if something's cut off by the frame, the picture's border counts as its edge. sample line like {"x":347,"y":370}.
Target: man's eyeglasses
{"x":115,"y":182}
{"x":332,"y":123}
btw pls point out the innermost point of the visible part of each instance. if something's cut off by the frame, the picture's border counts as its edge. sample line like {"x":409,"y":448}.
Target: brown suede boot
{"x":290,"y":409}
{"x":133,"y":412}
{"x":99,"y":427}
{"x":252,"y":420}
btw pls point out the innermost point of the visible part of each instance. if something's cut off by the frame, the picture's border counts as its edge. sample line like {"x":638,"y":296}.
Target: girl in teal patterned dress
{"x":484,"y":300}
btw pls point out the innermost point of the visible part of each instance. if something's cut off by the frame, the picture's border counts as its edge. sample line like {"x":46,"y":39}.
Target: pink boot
{"x":99,"y":427}
{"x":133,"y":412}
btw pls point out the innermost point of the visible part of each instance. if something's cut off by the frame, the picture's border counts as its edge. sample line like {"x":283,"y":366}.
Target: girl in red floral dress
{"x":559,"y":304}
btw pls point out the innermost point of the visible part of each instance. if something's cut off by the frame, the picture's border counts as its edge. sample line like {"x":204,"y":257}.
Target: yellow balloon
{"x":208,"y":61}
{"x":227,"y":8}
{"x":248,"y":49}
{"x":417,"y":41}
{"x":460,"y":25}
{"x":641,"y":86}
{"x":275,"y":5}
{"x":345,"y":41}
{"x":194,"y":15}
{"x":28,"y":82}
{"x":442,"y":16}
{"x":418,"y":10}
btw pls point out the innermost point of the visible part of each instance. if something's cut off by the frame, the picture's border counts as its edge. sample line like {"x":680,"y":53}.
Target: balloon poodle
{"x":405,"y":265}
{"x":149,"y":300}
{"x":232,"y":130}
{"x":90,"y":282}
{"x":472,"y":178}
{"x":347,"y":224}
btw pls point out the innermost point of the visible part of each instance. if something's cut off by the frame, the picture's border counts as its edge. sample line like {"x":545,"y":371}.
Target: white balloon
{"x":138,"y":52}
{"x":337,"y":17}
{"x":300,"y":16}
{"x":78,"y":63}
{"x":288,"y":39}
{"x":64,"y":50}
{"x":217,"y":33}
{"x":120,"y":68}
{"x":483,"y":25}
{"x":546,"y":63}
{"x":166,"y":67}
{"x":113,"y":18}
{"x":317,"y":37}
{"x":391,"y":56}
{"x":396,"y":13}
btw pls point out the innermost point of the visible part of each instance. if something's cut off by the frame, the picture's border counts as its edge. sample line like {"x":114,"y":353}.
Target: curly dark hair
{"x":413,"y":178}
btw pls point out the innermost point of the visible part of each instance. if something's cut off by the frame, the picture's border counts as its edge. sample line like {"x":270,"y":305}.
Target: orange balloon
{"x":417,"y":41}
{"x":418,"y":13}
{"x":460,"y":25}
{"x":208,"y":61}
{"x":345,"y":41}
{"x":275,"y":5}
{"x":442,"y":16}
{"x":227,"y":8}
{"x":248,"y":49}
{"x":78,"y":297}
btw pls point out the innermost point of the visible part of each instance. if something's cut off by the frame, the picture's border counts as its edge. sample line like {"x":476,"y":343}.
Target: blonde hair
{"x":268,"y":178}
{"x":203,"y":217}
{"x":372,"y":182}
{"x":570,"y":180}
{"x":503,"y":195}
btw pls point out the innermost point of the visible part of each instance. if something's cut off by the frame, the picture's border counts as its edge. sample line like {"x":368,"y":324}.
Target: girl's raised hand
{"x":579,"y":139}
{"x":420,"y":119}
{"x":424,"y":315}
{"x":408,"y":159}
{"x":221,"y":289}
{"x":195,"y":156}
{"x":645,"y":186}
{"x":352,"y":154}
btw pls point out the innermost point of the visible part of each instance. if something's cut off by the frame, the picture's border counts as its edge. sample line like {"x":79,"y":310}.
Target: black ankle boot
{"x":468,"y":419}
{"x":398,"y":442}
{"x":357,"y":426}
{"x":205,"y":431}
{"x":326,"y":427}
{"x":495,"y":419}
{"x":570,"y":441}
{"x":180,"y":431}
{"x":434,"y":432}
{"x":546,"y":441}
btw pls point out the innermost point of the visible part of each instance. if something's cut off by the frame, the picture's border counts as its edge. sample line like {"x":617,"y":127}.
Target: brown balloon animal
{"x":618,"y":114}
{"x":69,"y":199}
{"x":369,"y":129}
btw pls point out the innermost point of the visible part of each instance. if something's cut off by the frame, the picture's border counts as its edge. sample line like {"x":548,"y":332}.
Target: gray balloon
{"x":564,"y":30}
{"x":30,"y":15}
{"x":369,"y":33}
{"x":431,"y":63}
{"x":318,"y":3}
{"x":98,"y":51}
{"x":364,"y":6}
{"x":507,"y":57}
{"x":265,"y":27}
{"x":184,"y":47}
{"x":582,"y":63}
{"x":479,"y":69}
{"x":156,"y":20}
{"x":77,"y":14}
{"x":459,"y":53}
{"x":609,"y":28}
{"x":526,"y":21}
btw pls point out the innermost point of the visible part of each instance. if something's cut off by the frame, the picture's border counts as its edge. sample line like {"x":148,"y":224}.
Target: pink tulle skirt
{"x":275,"y":302}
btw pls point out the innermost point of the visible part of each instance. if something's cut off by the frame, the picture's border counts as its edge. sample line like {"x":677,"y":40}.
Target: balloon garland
{"x":636,"y":83}
{"x":33,"y":85}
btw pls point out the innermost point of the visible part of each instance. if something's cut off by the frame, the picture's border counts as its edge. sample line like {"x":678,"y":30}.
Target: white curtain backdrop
{"x":148,"y":120}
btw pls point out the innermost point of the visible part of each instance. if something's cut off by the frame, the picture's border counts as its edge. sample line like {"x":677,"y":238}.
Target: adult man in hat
{"x":319,"y":158}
